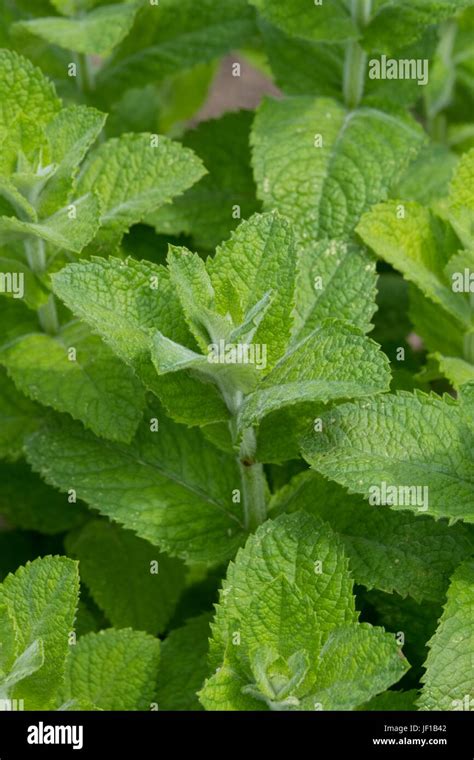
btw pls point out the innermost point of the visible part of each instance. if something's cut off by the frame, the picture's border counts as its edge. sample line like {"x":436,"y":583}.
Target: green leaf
{"x":314,"y":21}
{"x":286,"y":628}
{"x":183,"y":665}
{"x":335,"y":279}
{"x":41,"y":598}
{"x":355,"y":661}
{"x":71,"y":7}
{"x":413,"y":622}
{"x":207,"y":211}
{"x":18,"y":418}
{"x":74,"y":372}
{"x":133,"y":177}
{"x":93,"y":33}
{"x":279,"y":433}
{"x":140,"y":593}
{"x":399,"y":701}
{"x":427,"y":179}
{"x":302,"y":66}
{"x":24,"y":90}
{"x":174,"y":36}
{"x":392,"y":551}
{"x":419,"y":245}
{"x":126,"y":302}
{"x":195,"y":291}
{"x":440,"y":330}
{"x":17,"y":320}
{"x":168,"y":356}
{"x":335,"y":361}
{"x":113,"y":670}
{"x":18,"y":281}
{"x":70,"y":228}
{"x":458,"y":371}
{"x":170,"y":487}
{"x":448,"y":681}
{"x":8,"y":640}
{"x":415,"y":440}
{"x":259,"y":259}
{"x":405,"y":20}
{"x":70,"y":135}
{"x":461,"y":200}
{"x":28,"y":503}
{"x":325,"y":190}
{"x":27,"y":663}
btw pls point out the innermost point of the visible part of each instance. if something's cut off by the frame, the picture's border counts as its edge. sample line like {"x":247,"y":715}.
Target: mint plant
{"x":236,"y":360}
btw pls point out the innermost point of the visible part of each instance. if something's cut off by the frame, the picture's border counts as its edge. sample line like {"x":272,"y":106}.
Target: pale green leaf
{"x":458,"y":371}
{"x":70,"y":134}
{"x":195,"y":291}
{"x":335,"y":279}
{"x":325,"y":187}
{"x":126,"y":302}
{"x":416,"y":445}
{"x":42,"y":598}
{"x":461,"y":200}
{"x":24,"y":90}
{"x":259,"y":258}
{"x":335,"y":361}
{"x":18,"y":281}
{"x":419,"y":245}
{"x":27,"y":663}
{"x":439,"y":330}
{"x":356,"y":663}
{"x":94,"y":33}
{"x":70,"y":228}
{"x":74,"y":372}
{"x":133,"y":177}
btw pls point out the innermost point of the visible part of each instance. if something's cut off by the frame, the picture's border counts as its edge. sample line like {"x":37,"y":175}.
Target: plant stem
{"x":468,"y":351}
{"x":35,"y":254}
{"x":253,"y":483}
{"x":355,"y":62}
{"x":48,"y":316}
{"x":360,"y":12}
{"x":84,"y":74}
{"x":36,"y":257}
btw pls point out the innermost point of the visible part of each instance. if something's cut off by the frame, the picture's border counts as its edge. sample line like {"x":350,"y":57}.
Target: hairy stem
{"x":253,"y":482}
{"x":355,"y":62}
{"x":36,"y":257}
{"x":48,"y":316}
{"x":84,"y":74}
{"x":35,"y":254}
{"x":361,"y":11}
